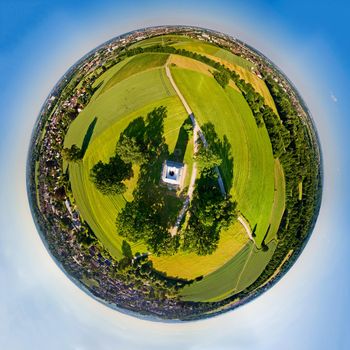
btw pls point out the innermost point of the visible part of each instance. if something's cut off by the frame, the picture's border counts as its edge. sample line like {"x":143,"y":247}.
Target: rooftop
{"x":172,"y":172}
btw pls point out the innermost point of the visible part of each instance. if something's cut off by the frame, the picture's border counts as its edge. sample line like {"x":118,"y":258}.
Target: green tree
{"x":126,"y":249}
{"x":109,"y":177}
{"x":129,"y":151}
{"x":72,"y":154}
{"x":206,"y":159}
{"x":222,"y":77}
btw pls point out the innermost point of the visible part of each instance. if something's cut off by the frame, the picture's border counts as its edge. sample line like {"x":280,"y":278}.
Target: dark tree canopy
{"x":109,"y":177}
{"x":222,"y":77}
{"x":210,"y":212}
{"x":206,"y":159}
{"x":129,"y":150}
{"x":72,"y":154}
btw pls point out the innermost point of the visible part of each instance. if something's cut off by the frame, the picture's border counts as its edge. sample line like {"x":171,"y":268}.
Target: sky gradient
{"x":40,"y":308}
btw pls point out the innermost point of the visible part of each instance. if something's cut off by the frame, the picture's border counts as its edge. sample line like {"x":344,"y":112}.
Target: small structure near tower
{"x":173,"y":174}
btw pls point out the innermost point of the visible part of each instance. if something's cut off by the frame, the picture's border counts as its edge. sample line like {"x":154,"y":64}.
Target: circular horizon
{"x":53,"y":95}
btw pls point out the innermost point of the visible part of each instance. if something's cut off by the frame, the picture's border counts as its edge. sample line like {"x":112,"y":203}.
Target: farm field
{"x":197,"y":66}
{"x":247,"y":158}
{"x":233,"y":277}
{"x":253,"y":162}
{"x":97,"y":209}
{"x":149,"y":86}
{"x":136,"y":64}
{"x":231,"y":242}
{"x":158,"y":185}
{"x":206,"y":48}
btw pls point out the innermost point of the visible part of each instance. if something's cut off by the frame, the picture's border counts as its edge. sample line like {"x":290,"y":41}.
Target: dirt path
{"x":246,"y":227}
{"x":190,"y":190}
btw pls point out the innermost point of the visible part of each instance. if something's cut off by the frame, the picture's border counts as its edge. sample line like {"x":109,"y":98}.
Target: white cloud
{"x":333,"y":97}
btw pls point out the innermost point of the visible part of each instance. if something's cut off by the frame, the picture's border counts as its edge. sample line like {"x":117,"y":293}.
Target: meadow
{"x":253,"y":163}
{"x":135,"y":86}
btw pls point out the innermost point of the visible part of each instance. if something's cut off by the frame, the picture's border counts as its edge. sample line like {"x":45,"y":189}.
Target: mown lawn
{"x":190,"y":265}
{"x":123,"y":98}
{"x":252,"y":167}
{"x":98,"y":210}
{"x":136,"y":64}
{"x":237,"y":274}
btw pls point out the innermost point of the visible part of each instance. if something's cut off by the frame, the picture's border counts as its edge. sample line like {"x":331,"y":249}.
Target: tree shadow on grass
{"x":88,"y":135}
{"x":223,"y":149}
{"x":136,"y":129}
{"x":181,"y":142}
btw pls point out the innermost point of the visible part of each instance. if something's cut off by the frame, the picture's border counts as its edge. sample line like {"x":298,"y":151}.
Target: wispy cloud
{"x":334,"y":98}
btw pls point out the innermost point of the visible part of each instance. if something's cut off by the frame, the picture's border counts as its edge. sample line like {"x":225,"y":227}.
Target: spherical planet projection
{"x":174,"y":173}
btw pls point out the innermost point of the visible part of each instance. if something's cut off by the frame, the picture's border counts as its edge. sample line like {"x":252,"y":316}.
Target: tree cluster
{"x":72,"y":154}
{"x":141,"y":219}
{"x":222,"y":77}
{"x":210,"y":212}
{"x":109,"y":177}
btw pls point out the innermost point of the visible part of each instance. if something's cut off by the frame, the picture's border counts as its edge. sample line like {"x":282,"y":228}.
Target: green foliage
{"x":72,"y":154}
{"x":209,"y":213}
{"x":126,"y":249}
{"x":206,"y":159}
{"x":129,"y":150}
{"x":222,"y":77}
{"x":141,"y":219}
{"x":86,"y":237}
{"x":109,"y":177}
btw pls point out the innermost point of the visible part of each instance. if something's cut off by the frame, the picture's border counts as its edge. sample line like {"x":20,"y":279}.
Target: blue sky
{"x":40,"y":308}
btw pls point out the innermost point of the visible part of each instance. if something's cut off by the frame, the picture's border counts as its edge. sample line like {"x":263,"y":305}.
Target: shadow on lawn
{"x":88,"y":135}
{"x":182,"y":141}
{"x":223,"y":148}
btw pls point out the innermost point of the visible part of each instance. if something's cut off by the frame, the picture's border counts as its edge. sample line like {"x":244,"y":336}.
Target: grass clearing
{"x":206,"y":48}
{"x":120,"y":100}
{"x":231,"y":242}
{"x":254,"y":266}
{"x":162,"y":40}
{"x":237,"y":274}
{"x":136,"y":64}
{"x":300,"y":190}
{"x":221,"y":281}
{"x":197,"y":66}
{"x":98,"y":210}
{"x":253,"y":162}
{"x":258,"y":83}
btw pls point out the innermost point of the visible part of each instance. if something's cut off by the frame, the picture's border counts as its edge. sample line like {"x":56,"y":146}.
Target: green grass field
{"x":253,"y":162}
{"x":237,"y":274}
{"x":234,"y":62}
{"x":98,"y":210}
{"x":220,"y":282}
{"x":231,"y":242}
{"x":136,"y":64}
{"x":205,"y":48}
{"x":132,"y":88}
{"x":121,"y":99}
